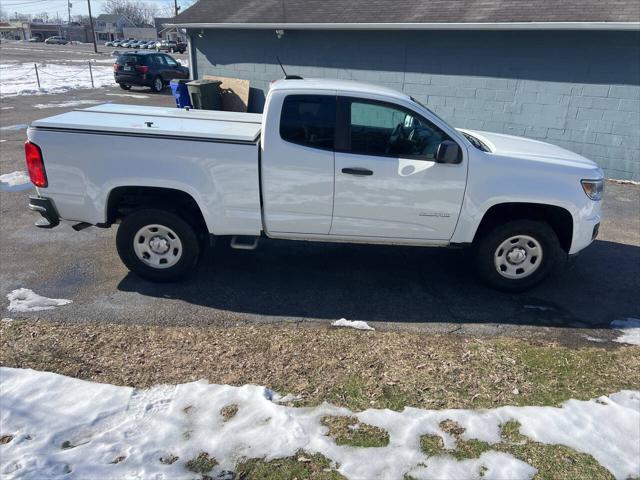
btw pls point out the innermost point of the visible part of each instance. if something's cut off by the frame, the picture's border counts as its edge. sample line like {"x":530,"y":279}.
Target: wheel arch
{"x":123,"y":200}
{"x":559,"y":218}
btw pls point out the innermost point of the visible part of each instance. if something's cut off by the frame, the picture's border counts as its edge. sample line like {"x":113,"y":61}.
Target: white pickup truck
{"x":328,"y":161}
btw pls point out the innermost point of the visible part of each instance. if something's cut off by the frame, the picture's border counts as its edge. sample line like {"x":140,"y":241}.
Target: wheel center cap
{"x":516,"y":255}
{"x":159,"y":245}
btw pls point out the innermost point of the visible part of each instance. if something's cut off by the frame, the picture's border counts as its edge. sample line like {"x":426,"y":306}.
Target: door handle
{"x":363,"y":172}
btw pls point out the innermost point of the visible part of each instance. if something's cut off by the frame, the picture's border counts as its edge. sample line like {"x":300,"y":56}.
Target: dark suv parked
{"x":149,"y":69}
{"x":171,"y":46}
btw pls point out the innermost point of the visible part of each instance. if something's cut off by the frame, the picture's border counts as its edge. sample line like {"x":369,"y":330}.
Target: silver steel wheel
{"x":157,"y":246}
{"x":157,"y":84}
{"x":518,"y":257}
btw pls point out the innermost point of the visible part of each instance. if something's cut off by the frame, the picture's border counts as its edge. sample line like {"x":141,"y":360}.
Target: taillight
{"x":142,"y":68}
{"x":35,"y":164}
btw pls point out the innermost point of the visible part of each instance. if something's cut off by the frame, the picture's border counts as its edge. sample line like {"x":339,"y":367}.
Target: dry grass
{"x":229,"y":411}
{"x":345,"y":367}
{"x":301,"y":466}
{"x":350,"y":431}
{"x":554,"y":462}
{"x":203,"y":463}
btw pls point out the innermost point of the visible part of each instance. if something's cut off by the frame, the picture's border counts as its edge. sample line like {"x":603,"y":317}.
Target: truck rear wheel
{"x":517,"y":255}
{"x":157,"y":245}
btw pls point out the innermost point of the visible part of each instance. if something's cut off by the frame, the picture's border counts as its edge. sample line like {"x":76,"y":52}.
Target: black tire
{"x":125,"y":87}
{"x":133,"y":223}
{"x":157,"y":86}
{"x":488,"y":258}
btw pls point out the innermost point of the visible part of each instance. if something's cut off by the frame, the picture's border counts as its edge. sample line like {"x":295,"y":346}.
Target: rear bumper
{"x":137,"y":80}
{"x":44,"y":206}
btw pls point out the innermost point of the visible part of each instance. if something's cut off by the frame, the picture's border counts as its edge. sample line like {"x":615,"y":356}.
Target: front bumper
{"x":44,"y":206}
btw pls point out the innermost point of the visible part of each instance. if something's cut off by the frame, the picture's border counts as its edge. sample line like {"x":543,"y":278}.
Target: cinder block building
{"x":563,"y":72}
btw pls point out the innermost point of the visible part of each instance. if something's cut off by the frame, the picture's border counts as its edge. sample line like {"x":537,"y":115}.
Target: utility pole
{"x":69,"y":11}
{"x":93,"y":33}
{"x":175,"y":3}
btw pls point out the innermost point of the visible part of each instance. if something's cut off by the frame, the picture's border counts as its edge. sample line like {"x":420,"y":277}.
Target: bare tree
{"x":139,"y":13}
{"x":168,"y":8}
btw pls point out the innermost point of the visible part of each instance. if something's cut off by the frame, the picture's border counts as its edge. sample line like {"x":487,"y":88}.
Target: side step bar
{"x":244,"y":242}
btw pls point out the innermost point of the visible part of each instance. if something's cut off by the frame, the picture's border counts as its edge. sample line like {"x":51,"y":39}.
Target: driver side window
{"x":381,"y":129}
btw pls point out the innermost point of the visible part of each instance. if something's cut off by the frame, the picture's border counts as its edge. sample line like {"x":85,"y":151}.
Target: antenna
{"x":288,"y":77}
{"x":283,"y":70}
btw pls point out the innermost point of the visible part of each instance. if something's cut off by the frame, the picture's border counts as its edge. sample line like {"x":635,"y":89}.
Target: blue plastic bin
{"x":180,"y":92}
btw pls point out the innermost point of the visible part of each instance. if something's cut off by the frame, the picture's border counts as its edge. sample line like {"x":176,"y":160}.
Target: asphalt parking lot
{"x":399,"y":287}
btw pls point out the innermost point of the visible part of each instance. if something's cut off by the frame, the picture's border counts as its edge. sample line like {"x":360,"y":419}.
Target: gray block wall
{"x":579,"y":90}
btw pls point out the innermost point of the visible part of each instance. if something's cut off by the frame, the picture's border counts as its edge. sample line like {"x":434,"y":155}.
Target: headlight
{"x":593,"y":188}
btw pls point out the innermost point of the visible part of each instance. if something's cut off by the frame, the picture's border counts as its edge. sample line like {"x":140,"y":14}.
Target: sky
{"x":79,"y":7}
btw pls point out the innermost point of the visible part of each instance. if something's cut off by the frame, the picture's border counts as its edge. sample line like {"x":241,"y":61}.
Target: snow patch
{"x":25,"y":300}
{"x":70,"y":103}
{"x":357,"y":324}
{"x":14,"y":128}
{"x":594,"y":339}
{"x":132,"y":95}
{"x":14,"y":182}
{"x":98,"y":423}
{"x":630,"y":328}
{"x":624,"y":182}
{"x":20,"y":78}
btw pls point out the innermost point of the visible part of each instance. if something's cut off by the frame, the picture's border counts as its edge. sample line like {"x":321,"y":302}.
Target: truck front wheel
{"x":157,"y":245}
{"x":517,"y":255}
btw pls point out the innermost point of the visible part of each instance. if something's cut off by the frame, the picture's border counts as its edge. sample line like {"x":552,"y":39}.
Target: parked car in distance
{"x":108,"y":43}
{"x":149,"y":45}
{"x":327,"y":161}
{"x":171,"y":46}
{"x":126,"y":43}
{"x":35,"y":39}
{"x":56,"y":40}
{"x":150,"y":69}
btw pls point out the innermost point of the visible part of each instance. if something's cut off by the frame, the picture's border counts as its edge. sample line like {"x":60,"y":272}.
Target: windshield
{"x":474,"y":141}
{"x":429,"y":110}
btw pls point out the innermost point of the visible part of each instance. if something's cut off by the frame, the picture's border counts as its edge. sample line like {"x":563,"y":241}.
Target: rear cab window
{"x":309,"y":120}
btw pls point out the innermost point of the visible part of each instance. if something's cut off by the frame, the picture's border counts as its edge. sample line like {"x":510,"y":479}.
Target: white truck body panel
{"x":297,"y":180}
{"x":520,"y":170}
{"x":214,"y":161}
{"x":229,"y":163}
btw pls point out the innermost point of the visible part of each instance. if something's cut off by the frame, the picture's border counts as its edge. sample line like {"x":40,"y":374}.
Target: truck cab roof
{"x":340,"y":85}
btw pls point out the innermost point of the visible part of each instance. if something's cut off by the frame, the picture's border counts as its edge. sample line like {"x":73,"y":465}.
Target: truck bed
{"x":210,"y":155}
{"x":161,"y":121}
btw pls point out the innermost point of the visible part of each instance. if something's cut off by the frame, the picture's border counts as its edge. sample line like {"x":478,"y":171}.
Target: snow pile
{"x":14,"y":182}
{"x":67,"y":104}
{"x":62,"y":426}
{"x":25,"y":300}
{"x":357,"y":324}
{"x":132,"y":95}
{"x":20,"y":78}
{"x":630,"y":328}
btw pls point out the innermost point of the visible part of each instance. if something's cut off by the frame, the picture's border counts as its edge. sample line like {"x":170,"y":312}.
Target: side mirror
{"x":448,"y":152}
{"x":179,"y":63}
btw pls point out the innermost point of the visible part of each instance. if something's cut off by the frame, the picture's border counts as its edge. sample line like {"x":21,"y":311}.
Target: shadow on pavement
{"x":402,"y":284}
